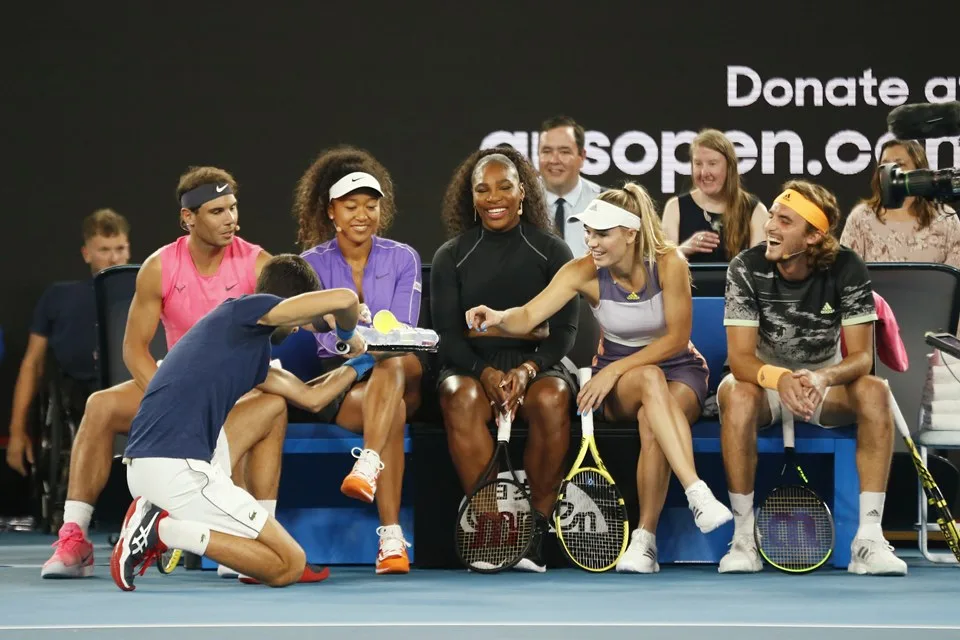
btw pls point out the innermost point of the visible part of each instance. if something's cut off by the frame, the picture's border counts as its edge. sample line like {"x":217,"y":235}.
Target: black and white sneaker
{"x":533,"y":561}
{"x":139,"y":545}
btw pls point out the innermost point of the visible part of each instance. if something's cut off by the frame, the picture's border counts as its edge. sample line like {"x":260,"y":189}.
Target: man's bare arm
{"x":142,"y":322}
{"x":308,"y":308}
{"x":312,"y":396}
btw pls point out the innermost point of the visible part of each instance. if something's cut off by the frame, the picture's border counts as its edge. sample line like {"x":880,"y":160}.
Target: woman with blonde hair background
{"x":639,"y":289}
{"x":718,"y":218}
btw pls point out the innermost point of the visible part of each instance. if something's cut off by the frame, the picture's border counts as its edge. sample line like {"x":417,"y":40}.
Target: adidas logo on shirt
{"x":826,"y":310}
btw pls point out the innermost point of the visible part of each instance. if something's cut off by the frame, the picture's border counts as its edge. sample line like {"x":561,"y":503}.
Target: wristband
{"x":345,"y":334}
{"x":361,"y":364}
{"x":769,"y":376}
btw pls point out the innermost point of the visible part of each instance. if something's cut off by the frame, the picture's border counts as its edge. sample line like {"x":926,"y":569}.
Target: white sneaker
{"x":743,"y":556}
{"x":708,"y":512}
{"x":641,"y":555}
{"x":875,"y":558}
{"x":227,"y":573}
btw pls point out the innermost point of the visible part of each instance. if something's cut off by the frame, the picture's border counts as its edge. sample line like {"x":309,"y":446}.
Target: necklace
{"x":633,"y":292}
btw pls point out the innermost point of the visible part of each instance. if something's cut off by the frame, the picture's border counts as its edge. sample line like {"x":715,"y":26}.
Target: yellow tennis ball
{"x":385,"y":321}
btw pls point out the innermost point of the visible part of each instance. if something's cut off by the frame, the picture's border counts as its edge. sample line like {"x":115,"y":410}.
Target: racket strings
{"x":495,"y":527}
{"x":592,"y":518}
{"x":795,"y":529}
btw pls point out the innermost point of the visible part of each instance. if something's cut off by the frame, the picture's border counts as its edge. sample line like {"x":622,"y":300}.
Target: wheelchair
{"x":58,"y":410}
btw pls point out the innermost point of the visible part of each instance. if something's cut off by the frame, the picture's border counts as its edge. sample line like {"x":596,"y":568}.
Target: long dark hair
{"x":458,"y":212}
{"x":922,"y":209}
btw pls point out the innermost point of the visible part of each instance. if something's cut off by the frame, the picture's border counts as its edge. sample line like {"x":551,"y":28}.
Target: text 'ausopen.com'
{"x":845,"y":152}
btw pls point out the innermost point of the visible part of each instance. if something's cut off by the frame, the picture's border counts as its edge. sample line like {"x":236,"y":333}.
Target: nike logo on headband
{"x":221,"y":188}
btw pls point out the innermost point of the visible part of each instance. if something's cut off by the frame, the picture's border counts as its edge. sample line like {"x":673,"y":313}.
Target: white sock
{"x":270,"y":506}
{"x":391,"y":531}
{"x":78,"y":513}
{"x":183,"y":534}
{"x":871,"y":515}
{"x":742,"y":507}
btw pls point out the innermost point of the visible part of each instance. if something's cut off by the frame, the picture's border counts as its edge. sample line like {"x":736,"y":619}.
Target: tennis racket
{"x":167,"y":562}
{"x":590,"y":516}
{"x":934,"y":496}
{"x":794,"y":527}
{"x":495,"y":523}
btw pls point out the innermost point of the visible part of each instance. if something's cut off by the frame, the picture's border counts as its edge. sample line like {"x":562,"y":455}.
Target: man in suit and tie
{"x":561,"y":155}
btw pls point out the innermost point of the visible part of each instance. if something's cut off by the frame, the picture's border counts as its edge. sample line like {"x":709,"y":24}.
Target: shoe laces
{"x":70,"y":539}
{"x":699,"y":494}
{"x":874,"y":546}
{"x":743,"y":541}
{"x":368,"y":463}
{"x":391,"y":544}
{"x":149,"y":558}
{"x":643,"y":540}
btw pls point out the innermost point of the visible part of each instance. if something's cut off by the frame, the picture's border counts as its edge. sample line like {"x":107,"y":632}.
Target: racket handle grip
{"x":504,"y":426}
{"x":586,"y":420}
{"x":342,"y":348}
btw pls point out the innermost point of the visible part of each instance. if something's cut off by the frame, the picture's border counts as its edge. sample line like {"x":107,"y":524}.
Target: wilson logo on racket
{"x":578,"y":513}
{"x":796,"y":530}
{"x":509,"y":500}
{"x":490,"y":529}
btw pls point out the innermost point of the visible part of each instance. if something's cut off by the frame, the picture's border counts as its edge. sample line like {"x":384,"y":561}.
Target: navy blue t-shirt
{"x":66,"y":315}
{"x":222,"y":357}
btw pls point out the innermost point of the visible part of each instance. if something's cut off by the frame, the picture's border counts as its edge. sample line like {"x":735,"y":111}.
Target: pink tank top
{"x":188,"y":296}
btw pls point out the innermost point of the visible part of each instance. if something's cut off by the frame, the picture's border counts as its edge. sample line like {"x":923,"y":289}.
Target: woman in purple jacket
{"x":342,"y":202}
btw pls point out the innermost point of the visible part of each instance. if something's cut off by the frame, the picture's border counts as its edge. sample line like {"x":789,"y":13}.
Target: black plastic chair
{"x":114,"y":289}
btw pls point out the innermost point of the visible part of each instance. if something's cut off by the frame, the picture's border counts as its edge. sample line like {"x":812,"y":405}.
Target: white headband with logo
{"x":600,"y":214}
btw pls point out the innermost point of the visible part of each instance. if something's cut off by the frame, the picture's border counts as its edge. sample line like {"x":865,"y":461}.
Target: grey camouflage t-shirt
{"x":799,"y":322}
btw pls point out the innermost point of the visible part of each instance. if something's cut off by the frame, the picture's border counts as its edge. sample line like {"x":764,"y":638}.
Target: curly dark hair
{"x":311,"y":198}
{"x":458,"y":210}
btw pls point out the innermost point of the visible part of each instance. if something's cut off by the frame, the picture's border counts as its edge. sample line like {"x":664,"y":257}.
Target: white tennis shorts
{"x":198,"y":491}
{"x":776,"y":406}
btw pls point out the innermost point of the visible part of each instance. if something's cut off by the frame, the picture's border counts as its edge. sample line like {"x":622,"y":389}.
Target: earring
{"x":339,"y":230}
{"x":520,"y":209}
{"x":475,"y":213}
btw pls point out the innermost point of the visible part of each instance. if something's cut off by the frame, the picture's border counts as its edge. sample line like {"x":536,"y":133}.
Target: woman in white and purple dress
{"x":638,"y":286}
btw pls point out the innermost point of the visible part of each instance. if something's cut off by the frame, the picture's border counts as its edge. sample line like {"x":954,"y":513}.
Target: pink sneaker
{"x":73,"y":557}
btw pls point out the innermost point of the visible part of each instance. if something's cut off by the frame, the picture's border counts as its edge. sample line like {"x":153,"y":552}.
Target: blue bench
{"x":332,"y":528}
{"x":336,"y":530}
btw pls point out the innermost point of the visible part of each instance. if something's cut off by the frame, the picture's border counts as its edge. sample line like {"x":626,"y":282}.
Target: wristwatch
{"x":530,"y":370}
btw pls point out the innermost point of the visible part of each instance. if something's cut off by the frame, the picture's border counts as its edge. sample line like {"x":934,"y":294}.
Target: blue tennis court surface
{"x":680,"y":602}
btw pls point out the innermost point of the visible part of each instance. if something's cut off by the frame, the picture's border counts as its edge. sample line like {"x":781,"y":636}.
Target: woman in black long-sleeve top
{"x":502,"y":253}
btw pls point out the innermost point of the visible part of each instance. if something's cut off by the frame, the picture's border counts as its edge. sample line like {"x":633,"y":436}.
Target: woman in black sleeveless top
{"x":717,"y":219}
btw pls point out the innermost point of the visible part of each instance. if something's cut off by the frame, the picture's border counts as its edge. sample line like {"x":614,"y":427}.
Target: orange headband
{"x":805,"y":209}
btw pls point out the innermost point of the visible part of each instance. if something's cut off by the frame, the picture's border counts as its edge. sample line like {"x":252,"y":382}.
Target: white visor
{"x":352,"y":182}
{"x":603,"y":215}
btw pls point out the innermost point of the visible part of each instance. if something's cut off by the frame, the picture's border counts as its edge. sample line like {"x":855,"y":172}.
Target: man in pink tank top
{"x":178,"y":284}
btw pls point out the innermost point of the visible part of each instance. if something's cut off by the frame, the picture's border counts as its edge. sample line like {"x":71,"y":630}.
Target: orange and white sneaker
{"x":392,"y":557}
{"x":361,"y":482}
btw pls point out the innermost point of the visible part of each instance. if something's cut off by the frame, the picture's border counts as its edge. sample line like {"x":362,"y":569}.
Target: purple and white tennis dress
{"x":630,"y":321}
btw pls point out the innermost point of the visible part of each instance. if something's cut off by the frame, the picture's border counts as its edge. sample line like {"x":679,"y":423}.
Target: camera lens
{"x":893,"y":188}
